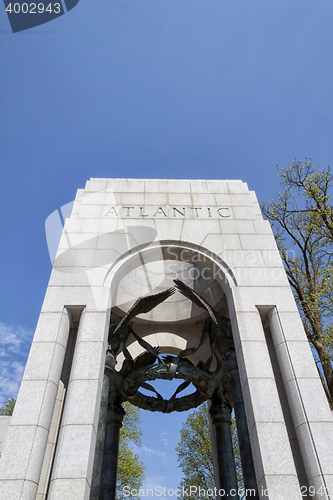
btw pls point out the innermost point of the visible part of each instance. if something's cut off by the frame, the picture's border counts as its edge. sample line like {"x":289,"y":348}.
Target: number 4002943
{"x":33,"y":8}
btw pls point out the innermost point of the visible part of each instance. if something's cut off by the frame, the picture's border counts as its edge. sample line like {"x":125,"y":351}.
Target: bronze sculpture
{"x":124,"y":385}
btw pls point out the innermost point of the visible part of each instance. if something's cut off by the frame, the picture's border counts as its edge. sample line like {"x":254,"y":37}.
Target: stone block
{"x":78,"y":276}
{"x":65,"y":258}
{"x":168,"y":230}
{"x":244,"y":213}
{"x":286,"y":326}
{"x":82,"y":405}
{"x":69,"y":489}
{"x":237,"y":186}
{"x":253,"y":361}
{"x":199,"y":186}
{"x":244,"y":227}
{"x":296,"y":360}
{"x":202,"y":199}
{"x":16,"y":452}
{"x":228,"y":226}
{"x":95,"y":327}
{"x":308,"y":451}
{"x":36,"y":457}
{"x":190,"y":233}
{"x":28,"y":406}
{"x":320,"y":487}
{"x":75,"y":241}
{"x":216,"y":186}
{"x":243,"y":258}
{"x":176,"y":199}
{"x":95,"y":185}
{"x":272,"y":258}
{"x":247,"y":328}
{"x":35,"y":404}
{"x":40,"y":360}
{"x":265,"y":401}
{"x":241,"y":200}
{"x":262,"y":227}
{"x":274,"y":450}
{"x":257,"y":242}
{"x":103,"y":225}
{"x":322,"y":435}
{"x":11,"y":489}
{"x":48,"y":327}
{"x":72,"y":460}
{"x":90,"y":211}
{"x":223,"y":245}
{"x":171,"y":186}
{"x":247,"y":298}
{"x":251,"y":276}
{"x":159,"y":199}
{"x":88,"y":360}
{"x":223,"y":199}
{"x":284,"y":487}
{"x":112,"y":198}
{"x":57,"y":296}
{"x":307,"y":401}
{"x":134,"y":199}
{"x":96,"y":198}
{"x":126,"y":185}
{"x":4,"y":424}
{"x":73,"y":225}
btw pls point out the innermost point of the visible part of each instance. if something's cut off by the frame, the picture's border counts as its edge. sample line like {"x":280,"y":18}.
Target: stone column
{"x":22,"y":457}
{"x":221,"y":419}
{"x":73,"y":463}
{"x":272,"y":456}
{"x":311,"y":414}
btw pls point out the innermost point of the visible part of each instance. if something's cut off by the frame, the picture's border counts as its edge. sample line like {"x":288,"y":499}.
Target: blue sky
{"x":149,"y":88}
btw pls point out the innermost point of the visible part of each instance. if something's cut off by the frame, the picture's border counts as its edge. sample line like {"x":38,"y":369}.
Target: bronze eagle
{"x":118,"y":335}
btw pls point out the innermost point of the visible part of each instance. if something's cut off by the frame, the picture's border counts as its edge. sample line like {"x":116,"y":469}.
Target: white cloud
{"x":13,"y":338}
{"x":15,"y":342}
{"x":153,"y":481}
{"x":164,"y":438}
{"x":150,"y":451}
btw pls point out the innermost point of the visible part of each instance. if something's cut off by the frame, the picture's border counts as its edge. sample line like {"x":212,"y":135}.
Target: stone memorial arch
{"x":228,"y":324}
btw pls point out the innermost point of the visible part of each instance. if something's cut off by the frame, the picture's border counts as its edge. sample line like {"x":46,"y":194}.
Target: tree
{"x":131,"y":472}
{"x":8,"y":407}
{"x":314,"y":185}
{"x":195,"y":452}
{"x":302,"y":222}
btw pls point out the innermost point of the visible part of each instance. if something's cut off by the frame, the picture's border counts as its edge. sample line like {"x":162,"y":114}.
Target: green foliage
{"x":8,"y":407}
{"x":302,"y":221}
{"x":195,"y":452}
{"x":131,"y":472}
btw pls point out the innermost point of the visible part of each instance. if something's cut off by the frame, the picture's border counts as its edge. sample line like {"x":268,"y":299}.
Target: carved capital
{"x":115,"y":416}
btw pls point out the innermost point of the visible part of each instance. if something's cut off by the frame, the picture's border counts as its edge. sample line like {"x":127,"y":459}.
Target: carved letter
{"x":142,"y":214}
{"x":196,"y":211}
{"x":223,"y":215}
{"x":160,"y":211}
{"x":177,"y":210}
{"x":128,"y":211}
{"x":112,"y":211}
